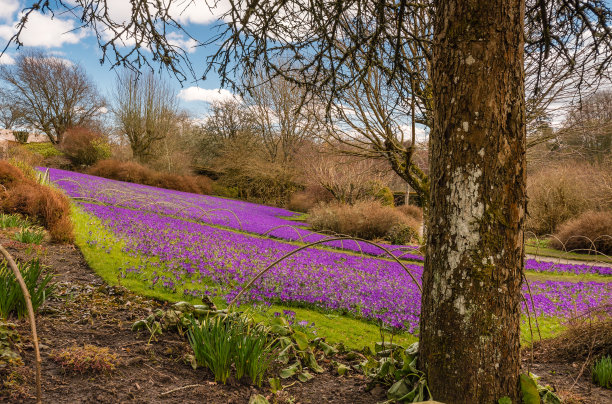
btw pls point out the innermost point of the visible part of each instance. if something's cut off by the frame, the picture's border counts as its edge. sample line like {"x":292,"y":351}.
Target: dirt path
{"x":87,"y":311}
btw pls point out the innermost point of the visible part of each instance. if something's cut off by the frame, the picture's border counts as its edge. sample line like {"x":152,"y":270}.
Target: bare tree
{"x":145,"y":109}
{"x":52,"y":94}
{"x":587,"y":131}
{"x":10,"y":113}
{"x":279,"y":117}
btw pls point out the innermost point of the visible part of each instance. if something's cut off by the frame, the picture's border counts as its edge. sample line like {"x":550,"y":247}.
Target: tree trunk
{"x":471,"y":300}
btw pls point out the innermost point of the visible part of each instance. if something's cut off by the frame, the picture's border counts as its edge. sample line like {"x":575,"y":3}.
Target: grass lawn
{"x":106,"y":258}
{"x":531,"y":247}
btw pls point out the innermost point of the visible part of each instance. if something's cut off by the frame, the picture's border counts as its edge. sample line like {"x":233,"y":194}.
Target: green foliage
{"x":226,"y":192}
{"x":529,"y":390}
{"x":46,"y":149}
{"x":402,"y":234}
{"x":232,"y":339}
{"x":385,"y":196}
{"x":21,"y":136}
{"x":213,"y":346}
{"x":395,"y":366}
{"x":12,"y":301}
{"x":12,"y":220}
{"x":534,"y":393}
{"x":602,"y":372}
{"x":30,"y":235}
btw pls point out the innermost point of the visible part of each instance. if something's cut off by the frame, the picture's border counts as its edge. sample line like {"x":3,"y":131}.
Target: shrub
{"x":10,"y":175}
{"x":21,"y":136}
{"x":560,"y":192}
{"x":22,"y":156}
{"x":602,"y":372}
{"x":384,"y":195}
{"x":46,"y":149}
{"x":11,"y":297}
{"x":591,"y":230}
{"x":303,"y":201}
{"x":84,"y":147}
{"x":136,"y":173}
{"x":364,"y":219}
{"x":86,"y":359}
{"x":411,"y":211}
{"x":50,"y":207}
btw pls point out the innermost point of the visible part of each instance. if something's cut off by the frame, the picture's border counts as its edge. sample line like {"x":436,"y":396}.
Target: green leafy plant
{"x":212,"y":346}
{"x":533,"y":393}
{"x":31,"y":235}
{"x":12,"y":220}
{"x":602,"y":372}
{"x":12,"y":301}
{"x":252,"y":352}
{"x":394,"y":365}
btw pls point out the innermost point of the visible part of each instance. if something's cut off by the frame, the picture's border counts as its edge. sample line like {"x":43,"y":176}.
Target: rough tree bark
{"x":471,"y":302}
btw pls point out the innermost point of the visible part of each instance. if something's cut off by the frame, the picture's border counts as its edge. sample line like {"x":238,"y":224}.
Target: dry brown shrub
{"x":84,"y":146}
{"x":50,"y":207}
{"x":589,"y":231}
{"x":589,"y":338}
{"x":11,"y":175}
{"x":560,"y":192}
{"x":130,"y":171}
{"x":303,"y":201}
{"x":365,"y":219}
{"x":411,"y":211}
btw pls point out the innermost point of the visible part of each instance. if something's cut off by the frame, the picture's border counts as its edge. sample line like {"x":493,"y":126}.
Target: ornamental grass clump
{"x":602,"y":372}
{"x":40,"y":287}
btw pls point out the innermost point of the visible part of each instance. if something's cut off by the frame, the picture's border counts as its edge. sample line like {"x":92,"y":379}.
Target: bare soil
{"x":85,"y":310}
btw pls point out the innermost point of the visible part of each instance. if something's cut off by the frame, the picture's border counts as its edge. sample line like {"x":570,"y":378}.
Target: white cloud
{"x":198,"y":12}
{"x":206,"y":95}
{"x":176,"y":39}
{"x":6,"y":59}
{"x":45,"y":31}
{"x":8,"y":8}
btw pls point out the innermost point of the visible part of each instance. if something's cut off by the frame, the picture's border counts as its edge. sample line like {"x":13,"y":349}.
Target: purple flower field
{"x":196,"y":258}
{"x":244,"y":216}
{"x":238,"y":215}
{"x":182,"y":253}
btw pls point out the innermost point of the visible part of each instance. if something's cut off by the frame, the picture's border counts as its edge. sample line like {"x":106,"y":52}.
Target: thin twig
{"x":28,"y":301}
{"x":181,"y":388}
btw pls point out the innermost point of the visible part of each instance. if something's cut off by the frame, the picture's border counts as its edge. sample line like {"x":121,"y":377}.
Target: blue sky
{"x":61,"y":37}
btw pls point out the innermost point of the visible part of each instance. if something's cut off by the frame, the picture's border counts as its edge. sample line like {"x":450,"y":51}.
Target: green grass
{"x":46,"y":149}
{"x":565,"y":277}
{"x":106,"y":258}
{"x":542,"y":251}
